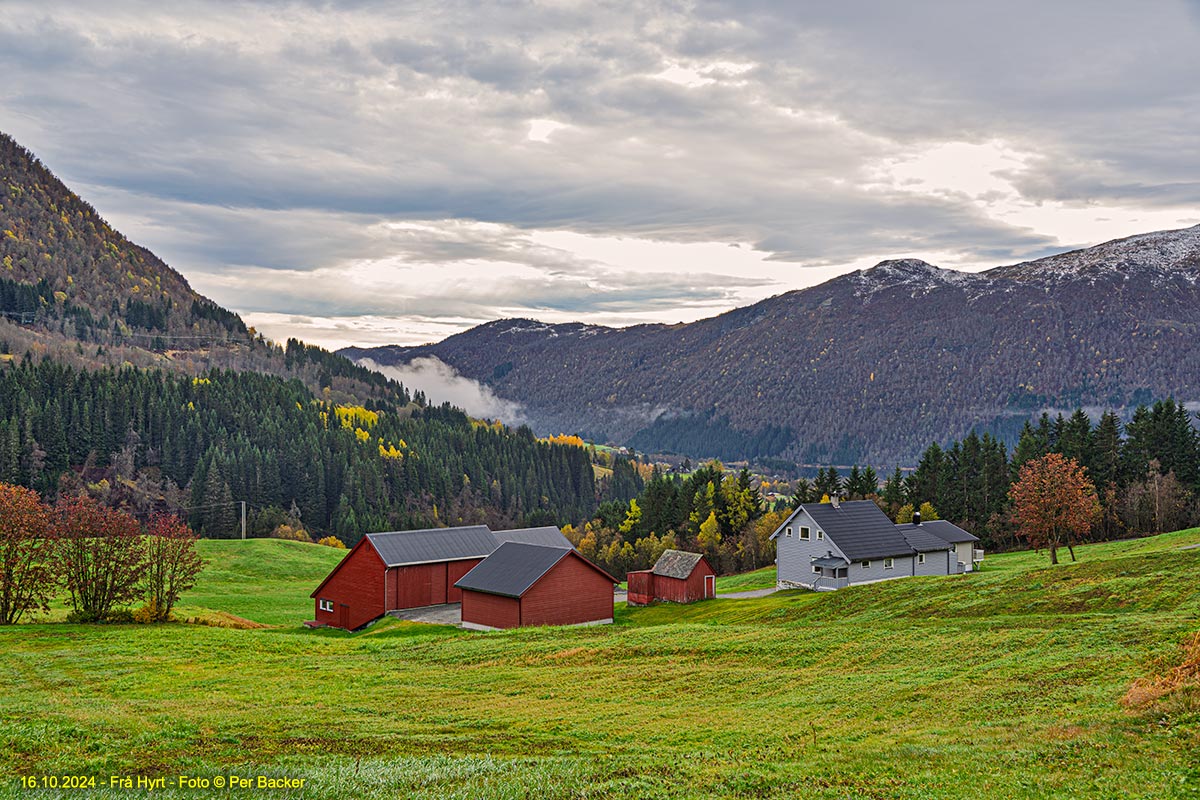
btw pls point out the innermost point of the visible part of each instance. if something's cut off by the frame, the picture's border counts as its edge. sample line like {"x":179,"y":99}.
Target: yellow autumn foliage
{"x":563,"y":438}
{"x":356,"y":416}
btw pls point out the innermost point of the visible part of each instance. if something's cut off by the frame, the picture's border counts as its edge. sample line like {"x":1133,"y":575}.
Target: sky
{"x":393,"y":173}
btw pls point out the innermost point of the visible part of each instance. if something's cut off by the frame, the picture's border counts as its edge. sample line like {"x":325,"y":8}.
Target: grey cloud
{"x":286,"y":135}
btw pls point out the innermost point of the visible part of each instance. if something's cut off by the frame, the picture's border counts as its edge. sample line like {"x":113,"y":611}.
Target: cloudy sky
{"x":369,"y":173}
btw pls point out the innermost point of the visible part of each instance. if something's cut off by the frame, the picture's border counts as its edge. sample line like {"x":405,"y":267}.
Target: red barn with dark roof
{"x":677,"y":577}
{"x":528,"y":584}
{"x":409,"y":569}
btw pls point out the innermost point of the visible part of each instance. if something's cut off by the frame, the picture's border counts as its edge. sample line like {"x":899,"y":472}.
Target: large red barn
{"x":677,"y":577}
{"x":528,"y":584}
{"x":409,"y":569}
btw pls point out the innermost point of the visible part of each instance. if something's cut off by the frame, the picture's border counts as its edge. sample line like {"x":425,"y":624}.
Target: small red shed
{"x":677,"y":576}
{"x":527,"y":584}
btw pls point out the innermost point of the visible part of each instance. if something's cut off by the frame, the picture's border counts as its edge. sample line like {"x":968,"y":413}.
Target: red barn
{"x":677,"y":576}
{"x":528,"y":584}
{"x":409,"y":569}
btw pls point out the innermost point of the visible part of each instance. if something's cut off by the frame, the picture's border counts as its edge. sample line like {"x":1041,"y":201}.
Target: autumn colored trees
{"x":27,"y":575}
{"x":714,"y":511}
{"x":1054,"y":503}
{"x":103,"y":558}
{"x":166,"y":443}
{"x":172,"y":564}
{"x":1146,"y":472}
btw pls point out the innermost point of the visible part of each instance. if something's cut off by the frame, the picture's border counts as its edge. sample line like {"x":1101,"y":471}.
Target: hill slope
{"x":344,"y":448}
{"x":1006,"y":682}
{"x":872,"y":365}
{"x":74,"y":288}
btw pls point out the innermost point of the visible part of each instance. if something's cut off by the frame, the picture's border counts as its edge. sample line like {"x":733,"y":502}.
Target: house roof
{"x":549,"y":536}
{"x":946,"y":531}
{"x":859,"y":529}
{"x":830,"y":561}
{"x":921,"y":540}
{"x":676,"y":564}
{"x":398,"y":548}
{"x":516,"y":566}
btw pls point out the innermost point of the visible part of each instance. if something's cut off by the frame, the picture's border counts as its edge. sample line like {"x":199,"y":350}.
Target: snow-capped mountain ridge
{"x":871,"y":365}
{"x":1155,"y":256}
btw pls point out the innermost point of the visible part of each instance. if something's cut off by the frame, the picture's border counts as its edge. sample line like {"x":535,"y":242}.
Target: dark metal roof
{"x":548,"y":536}
{"x":676,"y":564}
{"x":513,"y":568}
{"x":859,"y":529}
{"x":830,"y":561}
{"x":398,"y":548}
{"x":946,"y":531}
{"x":921,"y":540}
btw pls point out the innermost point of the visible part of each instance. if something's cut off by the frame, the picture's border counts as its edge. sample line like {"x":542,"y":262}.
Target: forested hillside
{"x":73,"y":288}
{"x":150,"y":440}
{"x":867,"y":367}
{"x":118,"y":379}
{"x":82,"y":271}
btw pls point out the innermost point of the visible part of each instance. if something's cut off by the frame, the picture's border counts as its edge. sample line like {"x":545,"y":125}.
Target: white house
{"x":826,"y":546}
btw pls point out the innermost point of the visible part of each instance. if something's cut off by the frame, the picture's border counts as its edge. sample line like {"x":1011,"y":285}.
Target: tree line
{"x":712,"y":511}
{"x":102,"y":557}
{"x":150,"y":441}
{"x":1146,"y":473}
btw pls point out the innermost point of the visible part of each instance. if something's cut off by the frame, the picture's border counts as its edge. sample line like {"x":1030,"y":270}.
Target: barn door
{"x":710,"y":586}
{"x":343,"y":616}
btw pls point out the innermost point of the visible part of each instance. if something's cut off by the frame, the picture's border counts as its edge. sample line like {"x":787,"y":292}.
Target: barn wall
{"x":571,"y":593}
{"x":492,"y":610}
{"x":641,"y":588}
{"x":357,"y":582}
{"x":419,"y":585}
{"x":681,"y":590}
{"x":454,"y":573}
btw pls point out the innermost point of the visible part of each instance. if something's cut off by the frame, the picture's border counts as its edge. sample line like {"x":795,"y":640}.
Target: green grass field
{"x":1004,"y":683}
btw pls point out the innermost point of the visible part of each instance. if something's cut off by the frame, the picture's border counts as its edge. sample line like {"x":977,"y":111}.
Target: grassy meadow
{"x":1002,"y":683}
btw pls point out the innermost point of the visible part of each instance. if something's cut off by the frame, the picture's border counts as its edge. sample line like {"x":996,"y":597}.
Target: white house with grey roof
{"x":827,"y":546}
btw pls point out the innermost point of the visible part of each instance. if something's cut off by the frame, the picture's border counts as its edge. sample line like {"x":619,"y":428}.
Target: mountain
{"x":54,"y":241}
{"x":74,"y":288}
{"x":870,"y":366}
{"x":118,"y":379}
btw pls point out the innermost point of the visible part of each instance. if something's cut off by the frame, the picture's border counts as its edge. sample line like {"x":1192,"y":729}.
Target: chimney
{"x":833,"y":500}
{"x":916,"y":518}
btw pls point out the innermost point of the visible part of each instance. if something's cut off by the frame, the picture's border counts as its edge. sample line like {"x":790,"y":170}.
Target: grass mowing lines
{"x":903,"y":689}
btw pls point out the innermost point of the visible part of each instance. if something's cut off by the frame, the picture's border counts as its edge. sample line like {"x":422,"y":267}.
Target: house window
{"x":888,"y":563}
{"x":866,"y":565}
{"x":820,"y":534}
{"x":327,"y":605}
{"x":920,"y":558}
{"x":789,"y":531}
{"x":804,"y":533}
{"x":816,"y":569}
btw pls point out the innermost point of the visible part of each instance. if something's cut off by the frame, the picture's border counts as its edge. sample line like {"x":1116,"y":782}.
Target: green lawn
{"x":758,"y":579}
{"x":1005,"y":683}
{"x":264,"y":580}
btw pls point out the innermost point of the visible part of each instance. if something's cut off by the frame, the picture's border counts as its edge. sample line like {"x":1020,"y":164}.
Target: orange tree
{"x":102,"y":555}
{"x":172,"y":564}
{"x":28,"y":576}
{"x":1054,"y":503}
